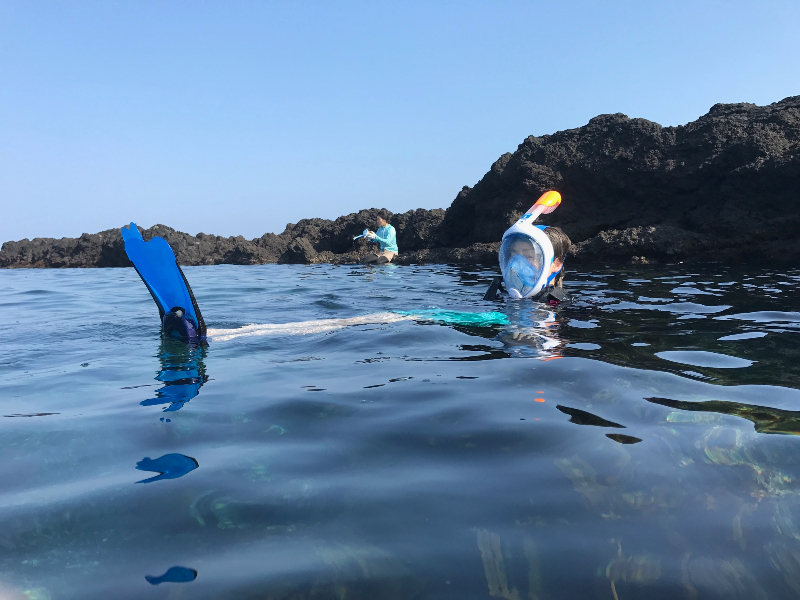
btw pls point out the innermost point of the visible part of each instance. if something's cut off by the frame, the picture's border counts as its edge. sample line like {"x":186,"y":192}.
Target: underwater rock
{"x":785,"y":557}
{"x":584,"y":481}
{"x":723,"y":579}
{"x":764,"y":418}
{"x":642,"y":569}
{"x":494,"y":566}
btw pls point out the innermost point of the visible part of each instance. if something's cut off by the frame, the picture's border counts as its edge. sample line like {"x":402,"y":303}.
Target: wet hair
{"x":560,"y":241}
{"x":384,"y":214}
{"x":561,"y":244}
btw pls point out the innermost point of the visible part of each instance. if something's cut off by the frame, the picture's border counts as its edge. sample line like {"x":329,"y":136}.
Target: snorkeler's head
{"x":561,"y":245}
{"x":532,"y":258}
{"x":560,"y":241}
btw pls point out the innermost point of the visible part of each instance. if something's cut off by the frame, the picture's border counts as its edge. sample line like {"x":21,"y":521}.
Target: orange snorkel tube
{"x":546,"y":204}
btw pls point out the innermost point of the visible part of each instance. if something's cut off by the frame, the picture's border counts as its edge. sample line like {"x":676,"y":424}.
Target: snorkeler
{"x":532,"y":257}
{"x":386,"y":237}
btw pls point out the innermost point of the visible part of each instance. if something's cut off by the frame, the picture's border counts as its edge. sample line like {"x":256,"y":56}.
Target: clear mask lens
{"x":522,"y":263}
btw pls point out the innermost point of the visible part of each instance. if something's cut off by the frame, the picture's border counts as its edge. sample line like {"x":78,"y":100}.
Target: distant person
{"x":386,"y":237}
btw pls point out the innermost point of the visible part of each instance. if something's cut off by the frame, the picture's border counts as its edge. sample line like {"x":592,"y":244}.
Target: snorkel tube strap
{"x":554,"y":274}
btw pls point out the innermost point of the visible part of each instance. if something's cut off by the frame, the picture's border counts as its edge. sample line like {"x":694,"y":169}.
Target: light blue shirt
{"x":387,"y":238}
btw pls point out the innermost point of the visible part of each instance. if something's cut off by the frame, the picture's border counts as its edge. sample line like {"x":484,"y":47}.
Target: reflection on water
{"x":582,"y":417}
{"x":183,"y":373}
{"x":169,"y":466}
{"x":173,"y":575}
{"x":623,"y":439}
{"x":699,"y":358}
{"x":765,"y":419}
{"x":431,"y":455}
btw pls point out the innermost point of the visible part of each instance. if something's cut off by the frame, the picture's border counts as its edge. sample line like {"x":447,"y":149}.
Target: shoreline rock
{"x":725,"y":187}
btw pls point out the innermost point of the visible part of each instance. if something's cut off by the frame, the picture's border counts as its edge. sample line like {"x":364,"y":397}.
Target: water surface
{"x":638,"y":444}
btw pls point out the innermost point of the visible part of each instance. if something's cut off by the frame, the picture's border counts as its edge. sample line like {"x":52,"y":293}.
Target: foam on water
{"x":303,"y":327}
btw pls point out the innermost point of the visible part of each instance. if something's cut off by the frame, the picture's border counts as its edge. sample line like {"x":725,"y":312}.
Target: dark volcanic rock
{"x":309,"y":241}
{"x":416,"y":230}
{"x":106,"y":249}
{"x":644,"y":244}
{"x":736,"y":168}
{"x":473,"y":254}
{"x":300,"y":251}
{"x":724,"y":187}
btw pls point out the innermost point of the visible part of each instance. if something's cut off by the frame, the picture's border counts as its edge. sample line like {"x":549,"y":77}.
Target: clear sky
{"x":238,"y":117}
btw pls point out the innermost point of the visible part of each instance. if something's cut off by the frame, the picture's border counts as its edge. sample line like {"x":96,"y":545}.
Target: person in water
{"x":553,"y":292}
{"x":386,"y":237}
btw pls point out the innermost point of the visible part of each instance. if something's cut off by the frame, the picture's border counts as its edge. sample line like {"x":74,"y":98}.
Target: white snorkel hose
{"x":526,"y":252}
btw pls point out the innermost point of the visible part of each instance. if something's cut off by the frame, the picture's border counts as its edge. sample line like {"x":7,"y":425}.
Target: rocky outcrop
{"x":728,"y":182}
{"x":309,"y":241}
{"x":106,"y":249}
{"x":724,"y":187}
{"x":642,"y":244}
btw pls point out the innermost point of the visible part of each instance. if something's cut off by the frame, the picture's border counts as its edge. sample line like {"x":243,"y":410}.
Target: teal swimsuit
{"x":387,"y":238}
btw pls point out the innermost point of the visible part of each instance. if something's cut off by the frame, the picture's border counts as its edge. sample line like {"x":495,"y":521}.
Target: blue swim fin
{"x":155,"y":262}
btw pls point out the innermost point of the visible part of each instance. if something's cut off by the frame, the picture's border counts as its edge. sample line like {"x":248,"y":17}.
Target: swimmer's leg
{"x":370,"y":259}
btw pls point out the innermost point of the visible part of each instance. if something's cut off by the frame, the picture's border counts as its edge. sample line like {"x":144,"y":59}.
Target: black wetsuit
{"x":549,"y":295}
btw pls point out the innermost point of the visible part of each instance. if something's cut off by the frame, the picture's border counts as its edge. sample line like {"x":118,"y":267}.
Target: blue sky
{"x":238,"y":117}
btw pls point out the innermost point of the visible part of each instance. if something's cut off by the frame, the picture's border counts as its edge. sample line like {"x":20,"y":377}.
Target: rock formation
{"x":724,"y":187}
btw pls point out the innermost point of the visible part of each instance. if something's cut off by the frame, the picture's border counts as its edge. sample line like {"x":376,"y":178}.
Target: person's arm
{"x":390,"y":239}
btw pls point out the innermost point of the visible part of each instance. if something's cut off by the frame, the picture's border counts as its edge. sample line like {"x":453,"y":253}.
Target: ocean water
{"x":340,"y":438}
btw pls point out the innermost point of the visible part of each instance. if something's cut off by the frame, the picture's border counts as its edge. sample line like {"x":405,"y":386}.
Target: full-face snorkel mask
{"x":526,"y":253}
{"x":525,"y":258}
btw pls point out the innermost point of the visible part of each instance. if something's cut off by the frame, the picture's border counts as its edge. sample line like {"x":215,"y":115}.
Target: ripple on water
{"x":673,"y":307}
{"x":363,"y":484}
{"x":743,"y":336}
{"x":690,"y":291}
{"x":702,"y":358}
{"x":765,"y":316}
{"x":582,"y":324}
